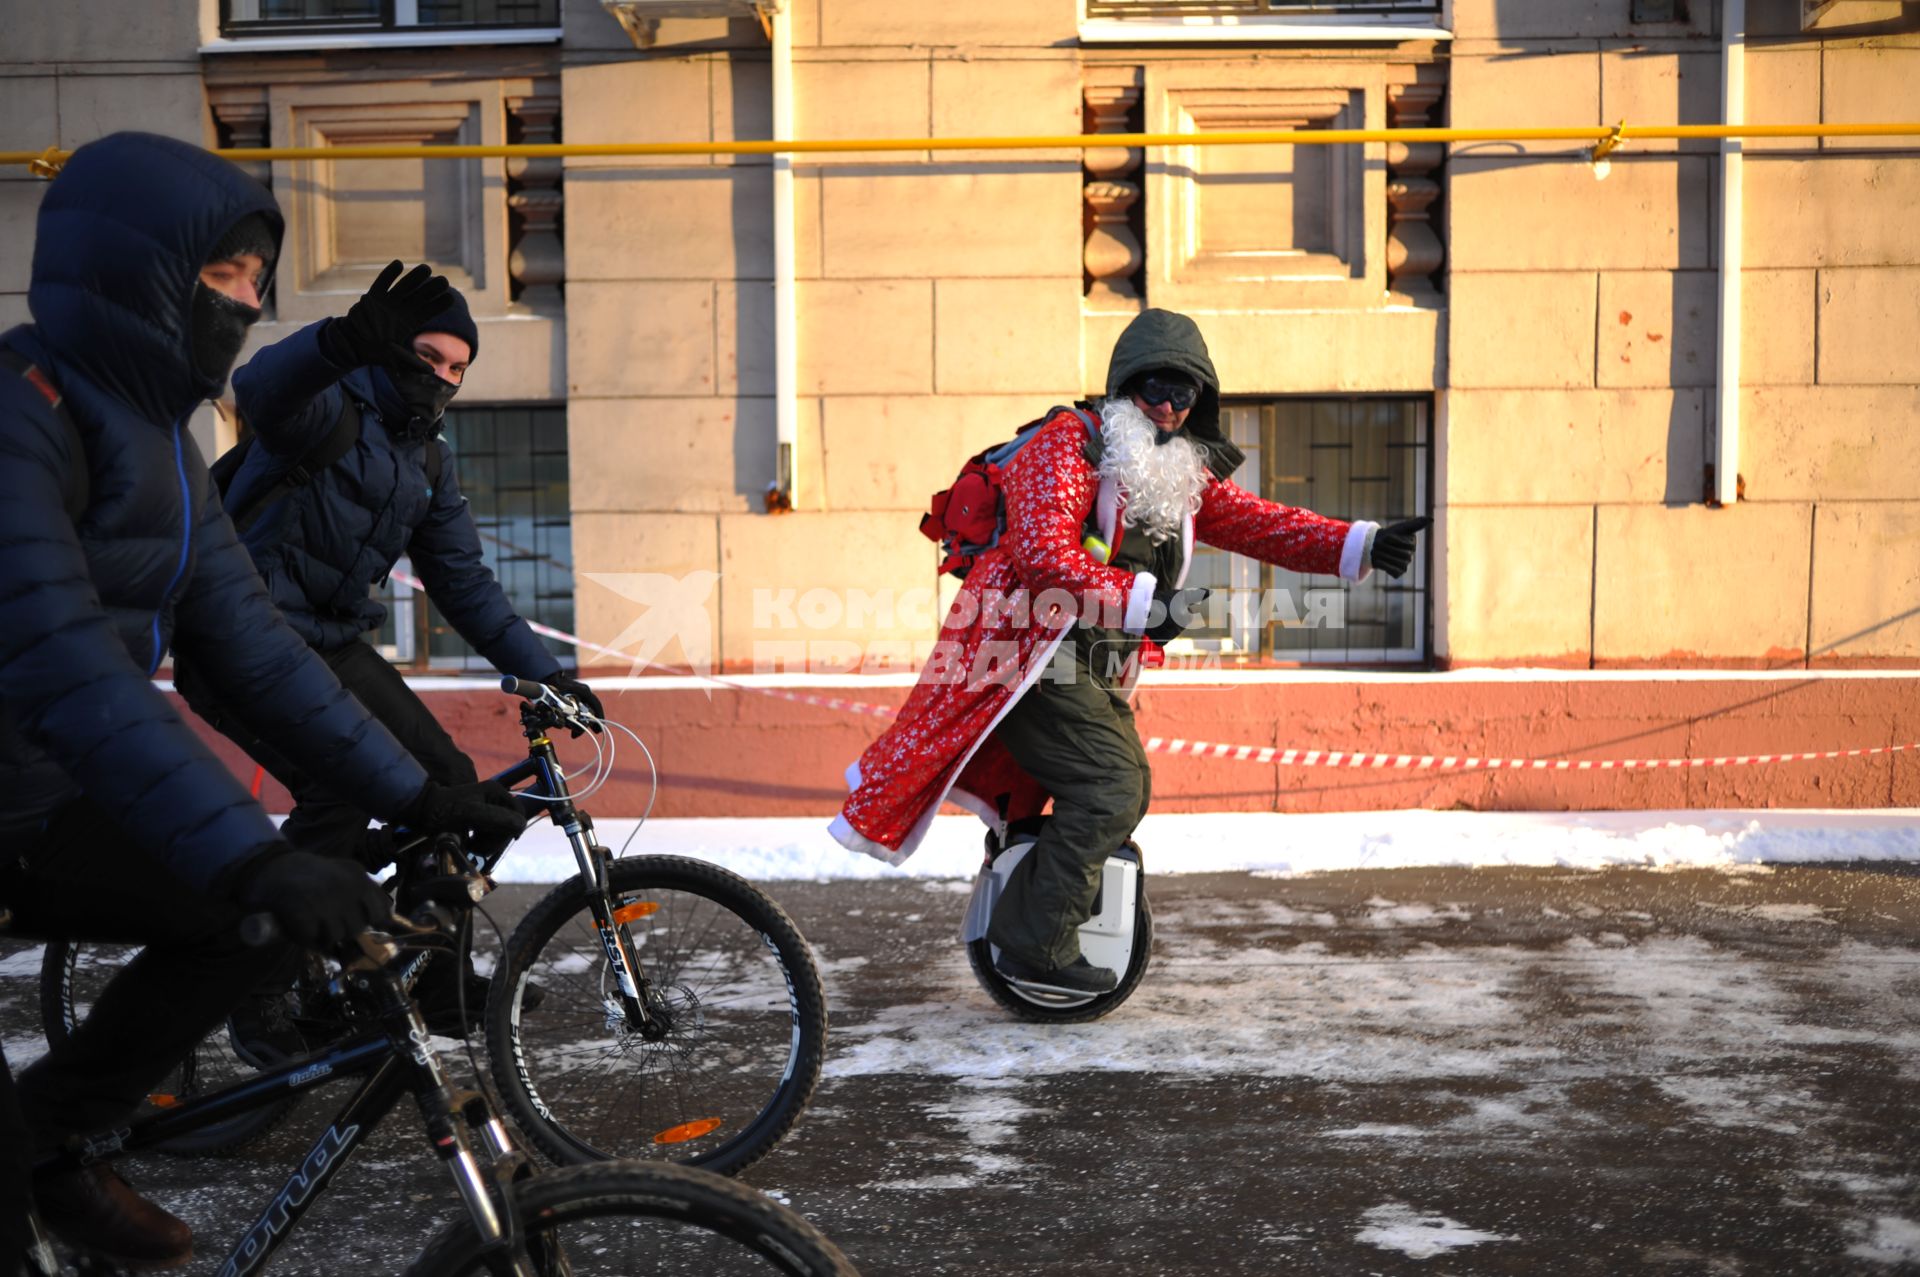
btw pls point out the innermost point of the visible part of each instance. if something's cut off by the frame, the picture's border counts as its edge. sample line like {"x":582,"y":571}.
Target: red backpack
{"x":967,"y":519}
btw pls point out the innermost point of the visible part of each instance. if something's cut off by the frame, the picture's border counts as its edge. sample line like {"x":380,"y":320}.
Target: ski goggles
{"x":1180,"y":395}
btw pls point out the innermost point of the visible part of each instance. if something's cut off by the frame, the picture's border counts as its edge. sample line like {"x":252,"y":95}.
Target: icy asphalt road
{"x":1439,"y":1071}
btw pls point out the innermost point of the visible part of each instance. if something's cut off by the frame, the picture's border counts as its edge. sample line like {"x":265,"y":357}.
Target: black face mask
{"x":219,"y":331}
{"x":425,"y":394}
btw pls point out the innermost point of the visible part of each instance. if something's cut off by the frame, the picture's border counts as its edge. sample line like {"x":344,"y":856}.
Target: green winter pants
{"x":1077,"y":738}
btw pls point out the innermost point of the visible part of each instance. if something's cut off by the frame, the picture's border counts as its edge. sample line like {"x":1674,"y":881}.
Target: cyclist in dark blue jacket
{"x":116,"y":821}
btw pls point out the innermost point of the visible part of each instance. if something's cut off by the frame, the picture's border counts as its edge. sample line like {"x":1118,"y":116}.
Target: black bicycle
{"x":651,"y":1007}
{"x":613,"y":1217}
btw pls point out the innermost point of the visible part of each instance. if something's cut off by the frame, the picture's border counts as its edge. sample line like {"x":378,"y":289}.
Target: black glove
{"x":379,"y":328}
{"x":1393,"y":545}
{"x":1179,"y":609}
{"x":588,"y":698}
{"x":486,"y":810}
{"x":319,"y":902}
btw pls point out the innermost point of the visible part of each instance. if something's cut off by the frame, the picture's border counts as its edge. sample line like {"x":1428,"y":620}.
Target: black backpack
{"x":338,"y":443}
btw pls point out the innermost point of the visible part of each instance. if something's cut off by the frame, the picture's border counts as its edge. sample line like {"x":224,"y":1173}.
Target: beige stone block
{"x":1866,"y":580}
{"x":1006,"y":335}
{"x":29,"y":118}
{"x":1032,"y":23}
{"x":1649,"y":212}
{"x":866,"y":337}
{"x":640,"y":339}
{"x":1658,"y":328}
{"x":92,"y":106}
{"x":524,"y":360}
{"x":1519,"y":583}
{"x":107,"y":31}
{"x":1519,"y":330}
{"x":985,"y":98}
{"x":611,"y":552}
{"x":653,"y":99}
{"x":1783,"y":87}
{"x":1515,"y":447}
{"x":1560,"y":86}
{"x":1475,"y":20}
{"x":684,"y":455}
{"x":1869,"y":326}
{"x":1829,"y":443}
{"x":1777,"y":310}
{"x":922,"y":222}
{"x":13,"y":310}
{"x":1837,"y":209}
{"x":743,"y":322}
{"x":1687,"y":582}
{"x":822,"y":579}
{"x":1669,"y":88}
{"x":19,"y":210}
{"x":1301,"y":352}
{"x":893,"y":452}
{"x":1871,"y":85}
{"x":685,"y":223}
{"x":862,"y":99}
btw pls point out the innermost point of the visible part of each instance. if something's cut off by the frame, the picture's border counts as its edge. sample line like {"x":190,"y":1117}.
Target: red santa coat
{"x":1012,"y":613}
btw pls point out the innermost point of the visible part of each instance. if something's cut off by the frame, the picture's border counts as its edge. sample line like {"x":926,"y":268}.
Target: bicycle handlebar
{"x":525,"y":688}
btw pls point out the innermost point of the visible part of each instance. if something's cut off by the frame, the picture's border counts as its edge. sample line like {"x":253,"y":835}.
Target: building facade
{"x":1510,"y":337}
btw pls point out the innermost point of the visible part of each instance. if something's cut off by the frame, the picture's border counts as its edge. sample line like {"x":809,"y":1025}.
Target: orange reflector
{"x":687,"y":1131}
{"x":638,"y":909}
{"x":161,"y":1100}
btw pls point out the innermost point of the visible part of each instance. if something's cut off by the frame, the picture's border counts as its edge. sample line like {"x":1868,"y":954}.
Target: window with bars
{"x":512,"y":465}
{"x":1348,"y":458}
{"x":265,"y":17}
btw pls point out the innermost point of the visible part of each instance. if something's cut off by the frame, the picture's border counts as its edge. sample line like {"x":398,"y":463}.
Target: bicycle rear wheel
{"x":633,"y":1220}
{"x":72,"y":973}
{"x":745,"y":1021}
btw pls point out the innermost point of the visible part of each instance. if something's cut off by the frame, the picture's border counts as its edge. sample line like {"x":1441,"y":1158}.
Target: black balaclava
{"x":425,"y":393}
{"x":220,"y":323}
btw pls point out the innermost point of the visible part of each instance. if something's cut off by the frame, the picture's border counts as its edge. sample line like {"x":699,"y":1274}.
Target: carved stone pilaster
{"x":1414,"y":248}
{"x":536,"y":257}
{"x":1113,"y":254}
{"x":240,"y":115}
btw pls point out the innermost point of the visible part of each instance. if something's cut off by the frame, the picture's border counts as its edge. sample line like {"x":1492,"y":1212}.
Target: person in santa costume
{"x":1025,"y":698}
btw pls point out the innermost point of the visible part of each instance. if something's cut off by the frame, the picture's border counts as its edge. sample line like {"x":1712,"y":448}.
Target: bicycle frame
{"x":399,"y":1061}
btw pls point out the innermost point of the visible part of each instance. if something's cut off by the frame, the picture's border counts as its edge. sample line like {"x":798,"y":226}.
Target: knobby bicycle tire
{"x":210,"y":1066}
{"x":748,"y":1021}
{"x":635,"y":1218}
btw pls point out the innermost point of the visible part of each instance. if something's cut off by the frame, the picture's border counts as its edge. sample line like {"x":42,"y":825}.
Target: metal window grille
{"x":1256,"y":8}
{"x":512,"y":467}
{"x":1348,"y":458}
{"x":261,"y":17}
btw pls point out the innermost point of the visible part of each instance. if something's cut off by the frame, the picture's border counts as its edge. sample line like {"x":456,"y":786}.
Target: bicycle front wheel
{"x":741,"y":1020}
{"x":631,"y":1219}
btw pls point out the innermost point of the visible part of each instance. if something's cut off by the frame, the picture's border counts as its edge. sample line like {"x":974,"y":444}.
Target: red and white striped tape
{"x":1277,"y":756}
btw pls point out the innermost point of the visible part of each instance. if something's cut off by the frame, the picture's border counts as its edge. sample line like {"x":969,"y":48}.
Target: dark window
{"x":1358,"y":458}
{"x":512,"y":467}
{"x":267,"y":17}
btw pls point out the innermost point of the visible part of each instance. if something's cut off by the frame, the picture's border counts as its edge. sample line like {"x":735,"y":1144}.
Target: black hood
{"x":1165,"y":339}
{"x":121,"y":236}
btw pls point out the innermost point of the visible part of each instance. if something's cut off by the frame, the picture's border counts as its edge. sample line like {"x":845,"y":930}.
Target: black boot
{"x":1078,"y":976}
{"x":94,"y":1210}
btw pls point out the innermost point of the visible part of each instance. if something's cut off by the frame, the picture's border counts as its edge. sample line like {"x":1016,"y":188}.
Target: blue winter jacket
{"x":323,"y":547}
{"x":89,"y":606}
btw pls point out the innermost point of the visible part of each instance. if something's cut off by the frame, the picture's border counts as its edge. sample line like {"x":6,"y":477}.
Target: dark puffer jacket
{"x":88,"y":607}
{"x":325,"y":546}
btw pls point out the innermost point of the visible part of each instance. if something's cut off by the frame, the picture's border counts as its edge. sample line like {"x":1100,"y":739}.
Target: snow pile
{"x":1399,"y":1227}
{"x":1266,"y":843}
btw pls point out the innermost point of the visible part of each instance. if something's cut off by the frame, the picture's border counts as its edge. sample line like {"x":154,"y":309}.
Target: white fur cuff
{"x":1356,"y":556}
{"x":1139,"y":601}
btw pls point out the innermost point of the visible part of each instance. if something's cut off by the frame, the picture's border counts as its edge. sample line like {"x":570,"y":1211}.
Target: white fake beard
{"x":1162,"y":483}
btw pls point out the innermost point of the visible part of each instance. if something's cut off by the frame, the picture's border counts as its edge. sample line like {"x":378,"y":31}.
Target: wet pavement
{"x":1445,"y":1071}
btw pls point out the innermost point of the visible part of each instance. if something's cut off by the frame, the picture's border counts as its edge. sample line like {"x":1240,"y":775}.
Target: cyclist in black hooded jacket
{"x":116,"y":821}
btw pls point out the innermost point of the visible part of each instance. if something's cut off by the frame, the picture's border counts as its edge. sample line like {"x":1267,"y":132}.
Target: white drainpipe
{"x":1733,"y":110}
{"x":786,"y":359}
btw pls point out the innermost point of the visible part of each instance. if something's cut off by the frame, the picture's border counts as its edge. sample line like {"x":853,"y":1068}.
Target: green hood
{"x":1163,"y":339}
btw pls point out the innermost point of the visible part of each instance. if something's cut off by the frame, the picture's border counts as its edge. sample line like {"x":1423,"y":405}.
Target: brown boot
{"x":95,"y":1210}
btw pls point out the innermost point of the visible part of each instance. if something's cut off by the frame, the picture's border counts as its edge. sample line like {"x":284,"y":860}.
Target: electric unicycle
{"x":1119,"y":935}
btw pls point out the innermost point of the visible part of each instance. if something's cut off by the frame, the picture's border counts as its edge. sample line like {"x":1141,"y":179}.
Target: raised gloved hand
{"x":486,"y":810}
{"x":319,"y":902}
{"x":379,"y":327}
{"x":588,"y":698}
{"x":1393,"y":545}
{"x":1180,"y":611}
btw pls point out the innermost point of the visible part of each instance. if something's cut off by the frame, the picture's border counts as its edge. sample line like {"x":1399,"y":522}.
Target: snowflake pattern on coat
{"x":1010,"y":615}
